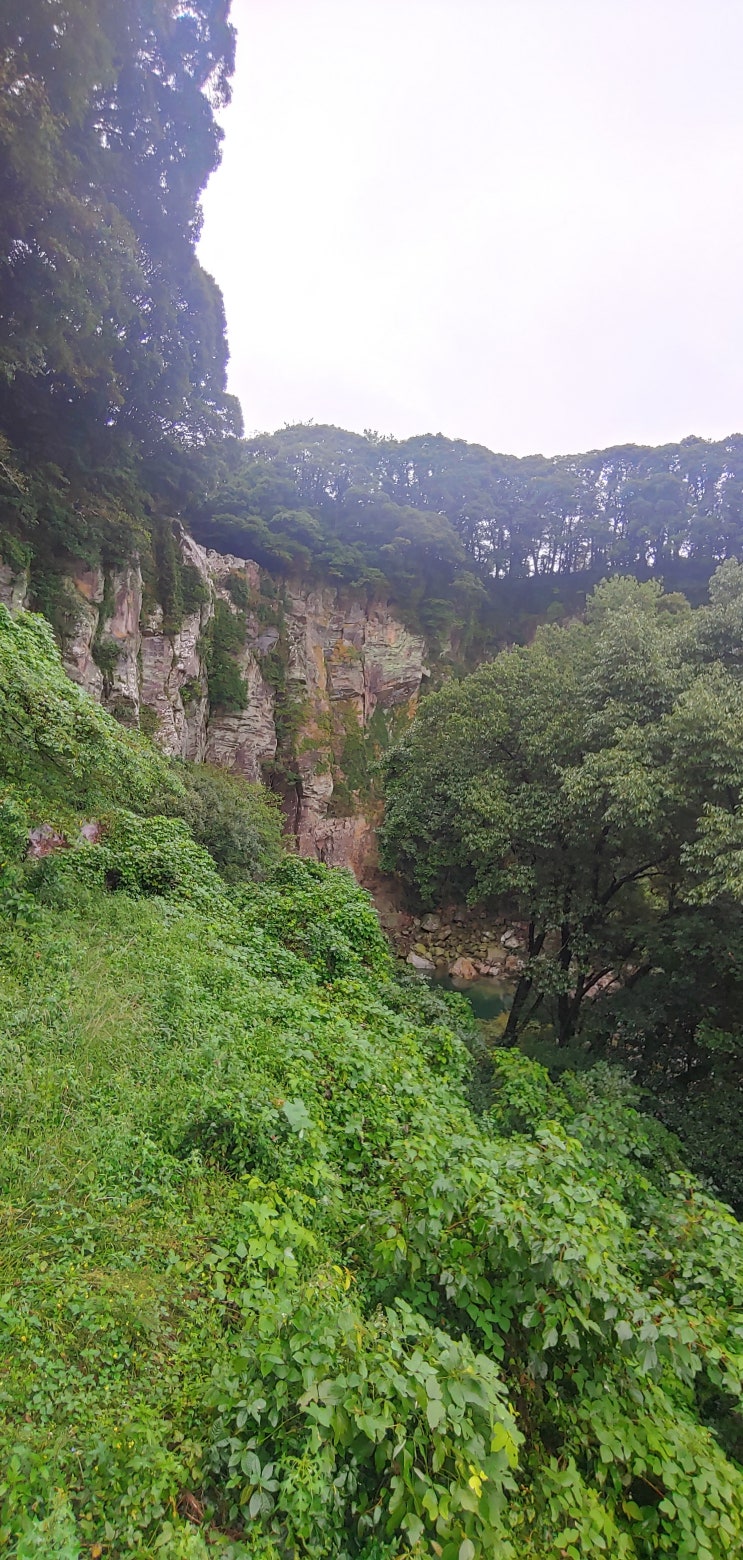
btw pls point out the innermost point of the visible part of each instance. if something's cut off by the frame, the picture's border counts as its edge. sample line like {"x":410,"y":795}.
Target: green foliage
{"x":238,"y":823}
{"x":324,"y":917}
{"x":108,"y":136}
{"x":589,"y":779}
{"x":60,"y":745}
{"x":267,"y":1284}
{"x":225,"y":638}
{"x":592,"y":783}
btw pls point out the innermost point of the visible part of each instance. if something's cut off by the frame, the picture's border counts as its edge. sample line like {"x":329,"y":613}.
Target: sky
{"x":517,"y":222}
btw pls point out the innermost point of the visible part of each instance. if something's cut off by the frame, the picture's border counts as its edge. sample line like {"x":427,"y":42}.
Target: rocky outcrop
{"x":466,"y":944}
{"x":316,"y":666}
{"x":13,"y":588}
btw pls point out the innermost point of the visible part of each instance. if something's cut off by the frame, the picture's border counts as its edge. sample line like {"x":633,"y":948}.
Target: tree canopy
{"x":108,"y":136}
{"x":593,"y":783}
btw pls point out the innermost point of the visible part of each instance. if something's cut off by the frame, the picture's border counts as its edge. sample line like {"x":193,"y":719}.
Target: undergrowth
{"x":268,"y":1286}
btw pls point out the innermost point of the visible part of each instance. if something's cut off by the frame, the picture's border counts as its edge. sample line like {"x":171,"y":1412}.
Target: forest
{"x":298,"y":1259}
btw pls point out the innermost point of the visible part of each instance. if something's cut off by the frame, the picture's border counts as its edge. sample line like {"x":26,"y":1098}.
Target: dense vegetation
{"x":113,"y":411}
{"x":593,"y":781}
{"x":282,"y":1271}
{"x":112,"y":350}
{"x":290,"y":1264}
{"x":471,"y":541}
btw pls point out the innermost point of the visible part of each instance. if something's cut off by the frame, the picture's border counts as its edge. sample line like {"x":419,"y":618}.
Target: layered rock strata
{"x":334,"y":659}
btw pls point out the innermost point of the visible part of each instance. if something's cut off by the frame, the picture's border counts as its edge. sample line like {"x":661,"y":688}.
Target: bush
{"x":238,"y":823}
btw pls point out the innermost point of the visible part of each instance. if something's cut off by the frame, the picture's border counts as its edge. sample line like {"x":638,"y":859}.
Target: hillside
{"x":297,"y":1260}
{"x":284,"y":1272}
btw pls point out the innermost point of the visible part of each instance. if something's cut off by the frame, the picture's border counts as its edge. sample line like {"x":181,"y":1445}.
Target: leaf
{"x":297,"y":1115}
{"x":466,"y":1550}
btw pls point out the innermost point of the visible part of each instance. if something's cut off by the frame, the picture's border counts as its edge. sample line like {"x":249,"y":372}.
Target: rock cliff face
{"x":319,"y":680}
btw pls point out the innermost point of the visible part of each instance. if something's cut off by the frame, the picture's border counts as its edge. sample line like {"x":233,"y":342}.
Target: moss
{"x":105,"y":652}
{"x":16,"y":553}
{"x":149,"y":720}
{"x":358,"y":752}
{"x":50,"y":594}
{"x":228,"y":690}
{"x":194,"y":589}
{"x":238,"y":586}
{"x":191,"y":691}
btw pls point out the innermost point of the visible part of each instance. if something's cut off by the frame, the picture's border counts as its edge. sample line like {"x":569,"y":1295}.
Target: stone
{"x":463,"y":969}
{"x":420,"y":963}
{"x":430,"y":923}
{"x":347,"y":658}
{"x":512,"y":938}
{"x":13,"y":588}
{"x":495,"y":953}
{"x":44,"y":841}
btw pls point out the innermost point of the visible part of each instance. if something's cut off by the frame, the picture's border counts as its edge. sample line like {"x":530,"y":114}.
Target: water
{"x":486,"y":997}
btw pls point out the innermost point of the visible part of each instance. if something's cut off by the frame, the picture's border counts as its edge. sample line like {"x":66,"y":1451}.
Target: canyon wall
{"x":319,"y":680}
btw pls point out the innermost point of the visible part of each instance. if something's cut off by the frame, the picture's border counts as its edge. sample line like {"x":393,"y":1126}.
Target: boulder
{"x":44,"y":841}
{"x":421,"y":963}
{"x":495,"y":954}
{"x":430,"y":923}
{"x":463,"y":969}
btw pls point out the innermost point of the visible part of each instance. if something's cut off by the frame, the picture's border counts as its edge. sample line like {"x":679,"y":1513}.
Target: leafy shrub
{"x":323,"y":915}
{"x":143,"y":856}
{"x":331,"y":1424}
{"x":238,"y":823}
{"x":269,"y":1287}
{"x":226,"y":636}
{"x":60,"y":743}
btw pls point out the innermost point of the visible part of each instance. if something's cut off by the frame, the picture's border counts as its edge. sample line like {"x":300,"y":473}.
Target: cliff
{"x":296,"y":684}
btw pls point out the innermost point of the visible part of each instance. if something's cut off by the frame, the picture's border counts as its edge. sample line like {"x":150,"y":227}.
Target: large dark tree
{"x":107,"y":137}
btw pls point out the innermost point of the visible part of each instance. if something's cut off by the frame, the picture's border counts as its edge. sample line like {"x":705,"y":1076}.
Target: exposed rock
{"x":344,"y":658}
{"x":91,"y":832}
{"x":13,"y":588}
{"x":495,"y":953}
{"x":430,"y":923}
{"x":245,"y":741}
{"x":85,"y":591}
{"x":463,"y":969}
{"x":420,"y":962}
{"x":345,"y":842}
{"x":44,"y":841}
{"x":513,"y":938}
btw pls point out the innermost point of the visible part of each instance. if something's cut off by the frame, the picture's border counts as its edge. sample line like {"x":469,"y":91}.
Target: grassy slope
{"x":268,"y":1285}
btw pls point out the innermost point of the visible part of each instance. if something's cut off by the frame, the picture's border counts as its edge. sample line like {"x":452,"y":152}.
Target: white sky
{"x":518,"y":222}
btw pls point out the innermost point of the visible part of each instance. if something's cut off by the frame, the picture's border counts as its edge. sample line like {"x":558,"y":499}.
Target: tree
{"x":107,"y":137}
{"x":592,"y":781}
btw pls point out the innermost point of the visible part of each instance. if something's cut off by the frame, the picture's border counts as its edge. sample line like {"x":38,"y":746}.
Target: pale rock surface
{"x":419,"y":962}
{"x":346,"y":657}
{"x":13,"y":588}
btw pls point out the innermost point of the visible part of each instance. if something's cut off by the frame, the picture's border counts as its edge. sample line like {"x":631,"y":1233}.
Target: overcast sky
{"x":518,"y":222}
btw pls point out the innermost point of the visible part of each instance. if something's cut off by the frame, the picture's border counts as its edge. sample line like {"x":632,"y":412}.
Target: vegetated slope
{"x":276,"y":1276}
{"x":594,"y":780}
